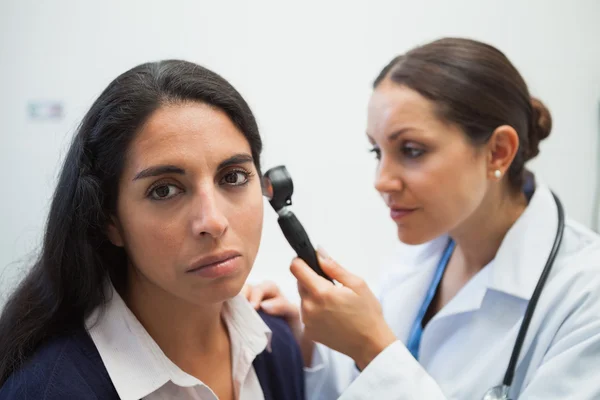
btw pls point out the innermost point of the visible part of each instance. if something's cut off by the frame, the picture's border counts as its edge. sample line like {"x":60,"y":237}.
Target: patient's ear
{"x":114,"y":232}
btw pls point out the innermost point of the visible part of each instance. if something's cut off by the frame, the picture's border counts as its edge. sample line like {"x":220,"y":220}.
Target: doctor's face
{"x":190,"y":208}
{"x":429,"y":175}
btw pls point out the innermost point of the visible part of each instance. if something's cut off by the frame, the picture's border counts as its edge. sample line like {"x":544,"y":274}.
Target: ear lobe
{"x":504,"y":145}
{"x":113,"y":231}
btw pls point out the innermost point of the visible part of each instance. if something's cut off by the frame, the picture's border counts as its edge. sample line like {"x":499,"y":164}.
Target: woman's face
{"x":429,"y":175}
{"x":190,"y":208}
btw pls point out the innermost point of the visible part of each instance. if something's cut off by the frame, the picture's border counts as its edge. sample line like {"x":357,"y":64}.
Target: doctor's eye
{"x":376,"y":151}
{"x":412,"y":151}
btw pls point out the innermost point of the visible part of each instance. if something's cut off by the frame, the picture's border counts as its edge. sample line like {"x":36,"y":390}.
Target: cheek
{"x":449,"y":187}
{"x":153,"y":239}
{"x":246,"y":220}
{"x":458,"y":188}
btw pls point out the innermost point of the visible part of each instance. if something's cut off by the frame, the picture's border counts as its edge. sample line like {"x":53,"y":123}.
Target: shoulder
{"x":66,"y":367}
{"x":571,"y":296}
{"x":578,"y":260}
{"x":579,"y":239}
{"x":280,"y":369}
{"x":283,"y":343}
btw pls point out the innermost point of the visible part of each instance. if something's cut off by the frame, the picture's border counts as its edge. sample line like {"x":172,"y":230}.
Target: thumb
{"x":336,"y":272}
{"x":279,"y":306}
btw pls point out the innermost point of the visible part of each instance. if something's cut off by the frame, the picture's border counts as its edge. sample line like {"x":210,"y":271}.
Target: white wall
{"x":306,"y":69}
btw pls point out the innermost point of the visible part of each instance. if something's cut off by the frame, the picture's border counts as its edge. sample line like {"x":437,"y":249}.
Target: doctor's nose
{"x":387,"y":179}
{"x":207,"y":217}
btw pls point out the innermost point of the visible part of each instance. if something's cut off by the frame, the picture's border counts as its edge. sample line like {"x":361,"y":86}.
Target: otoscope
{"x":278,"y":188}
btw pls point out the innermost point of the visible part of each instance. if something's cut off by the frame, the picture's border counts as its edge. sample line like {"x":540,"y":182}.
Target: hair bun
{"x":541,"y":125}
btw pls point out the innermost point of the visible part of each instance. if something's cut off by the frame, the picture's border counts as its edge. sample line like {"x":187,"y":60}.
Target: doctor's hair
{"x":67,"y":281}
{"x":476,"y":87}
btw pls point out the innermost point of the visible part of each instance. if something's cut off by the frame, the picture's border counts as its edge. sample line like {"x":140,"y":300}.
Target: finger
{"x":307,"y":278}
{"x":263,"y":291}
{"x":302,"y":291}
{"x":337,"y":272}
{"x":255,"y":297}
{"x":246,"y":290}
{"x":269,"y":289}
{"x":279,"y":306}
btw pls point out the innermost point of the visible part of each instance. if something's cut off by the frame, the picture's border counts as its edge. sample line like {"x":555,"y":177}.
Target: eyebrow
{"x":172,"y":169}
{"x":159,"y":170}
{"x":237,"y":159}
{"x":394,"y":135}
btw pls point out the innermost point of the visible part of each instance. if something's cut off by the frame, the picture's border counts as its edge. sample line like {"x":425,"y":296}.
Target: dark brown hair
{"x":66,"y":283}
{"x":476,"y":87}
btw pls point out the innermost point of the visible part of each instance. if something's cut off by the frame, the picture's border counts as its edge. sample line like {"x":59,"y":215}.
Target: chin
{"x":221,"y":290}
{"x":414,"y":237}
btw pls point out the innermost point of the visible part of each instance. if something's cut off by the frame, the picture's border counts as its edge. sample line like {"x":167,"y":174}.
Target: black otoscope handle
{"x":298,"y":238}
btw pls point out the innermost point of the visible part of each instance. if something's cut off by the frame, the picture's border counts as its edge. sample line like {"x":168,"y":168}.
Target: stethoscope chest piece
{"x":499,"y":392}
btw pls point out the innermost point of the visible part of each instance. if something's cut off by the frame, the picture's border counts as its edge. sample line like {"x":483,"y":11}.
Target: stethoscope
{"x":278,"y":188}
{"x":500,"y":392}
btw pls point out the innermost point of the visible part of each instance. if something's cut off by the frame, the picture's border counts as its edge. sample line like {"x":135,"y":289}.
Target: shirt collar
{"x":136,"y":364}
{"x":525,"y":248}
{"x":515,"y":269}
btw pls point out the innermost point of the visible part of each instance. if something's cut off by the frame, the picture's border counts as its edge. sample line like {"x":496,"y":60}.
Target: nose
{"x":387,"y":178}
{"x":208,"y":218}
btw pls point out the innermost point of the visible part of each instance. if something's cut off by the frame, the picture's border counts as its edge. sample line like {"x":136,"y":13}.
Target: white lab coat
{"x":466,"y":347}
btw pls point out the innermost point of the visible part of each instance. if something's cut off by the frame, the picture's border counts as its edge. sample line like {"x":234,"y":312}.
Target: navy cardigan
{"x":70,"y":367}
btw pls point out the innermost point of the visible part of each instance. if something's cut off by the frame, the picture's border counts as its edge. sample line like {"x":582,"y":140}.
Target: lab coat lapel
{"x":505,"y":286}
{"x":410,"y":272}
{"x":515,"y":269}
{"x":519,"y":261}
{"x":525,"y":249}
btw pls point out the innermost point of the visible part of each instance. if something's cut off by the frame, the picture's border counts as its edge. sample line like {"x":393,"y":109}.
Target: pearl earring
{"x":497,"y":174}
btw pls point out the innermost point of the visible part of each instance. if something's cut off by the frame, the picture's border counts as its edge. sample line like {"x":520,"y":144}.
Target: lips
{"x":398,"y":213}
{"x":213,"y":260}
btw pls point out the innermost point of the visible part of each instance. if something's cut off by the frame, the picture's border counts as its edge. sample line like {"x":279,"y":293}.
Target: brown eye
{"x":235,"y":178}
{"x":164,"y":192}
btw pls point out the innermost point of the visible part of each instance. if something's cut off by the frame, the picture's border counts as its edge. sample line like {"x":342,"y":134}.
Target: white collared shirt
{"x":465,"y":348}
{"x":138,"y":368}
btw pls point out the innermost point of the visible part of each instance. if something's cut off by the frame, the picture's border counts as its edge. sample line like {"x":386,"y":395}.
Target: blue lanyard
{"x":414,"y":339}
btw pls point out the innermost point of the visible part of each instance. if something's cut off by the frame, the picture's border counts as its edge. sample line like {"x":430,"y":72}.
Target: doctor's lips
{"x":397,"y":213}
{"x":216,"y":265}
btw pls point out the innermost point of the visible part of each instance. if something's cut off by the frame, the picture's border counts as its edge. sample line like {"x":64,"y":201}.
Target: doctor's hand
{"x":347,"y":318}
{"x":268,"y":297}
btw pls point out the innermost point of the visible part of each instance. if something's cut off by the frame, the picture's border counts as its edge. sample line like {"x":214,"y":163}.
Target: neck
{"x":185,"y":332}
{"x":479,"y":238}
